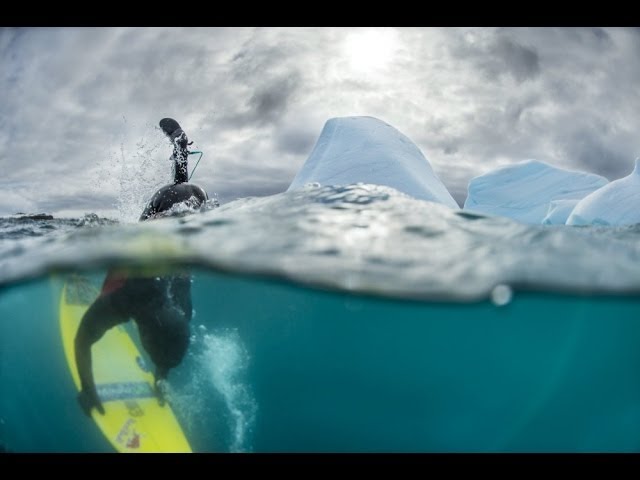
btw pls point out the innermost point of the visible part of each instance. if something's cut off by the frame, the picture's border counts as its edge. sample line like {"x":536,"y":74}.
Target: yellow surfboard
{"x":133,"y":421}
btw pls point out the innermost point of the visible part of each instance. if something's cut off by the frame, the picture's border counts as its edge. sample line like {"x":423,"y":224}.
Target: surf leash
{"x":196,"y":166}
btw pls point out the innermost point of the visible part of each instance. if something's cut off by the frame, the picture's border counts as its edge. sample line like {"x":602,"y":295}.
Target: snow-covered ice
{"x":367,"y":150}
{"x":617,"y":203}
{"x":559,"y":211}
{"x":524,"y":191}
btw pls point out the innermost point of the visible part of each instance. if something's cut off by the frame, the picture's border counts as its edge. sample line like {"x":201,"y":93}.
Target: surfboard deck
{"x":133,"y":422}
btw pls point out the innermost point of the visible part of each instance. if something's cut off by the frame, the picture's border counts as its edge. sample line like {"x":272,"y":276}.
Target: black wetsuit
{"x":170,"y":195}
{"x":160,"y":305}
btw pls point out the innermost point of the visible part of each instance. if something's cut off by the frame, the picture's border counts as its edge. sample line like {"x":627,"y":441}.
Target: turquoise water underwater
{"x":297,"y":369}
{"x":352,"y":320}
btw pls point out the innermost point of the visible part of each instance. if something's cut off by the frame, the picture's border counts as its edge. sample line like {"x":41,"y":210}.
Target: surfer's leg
{"x":164,"y":333}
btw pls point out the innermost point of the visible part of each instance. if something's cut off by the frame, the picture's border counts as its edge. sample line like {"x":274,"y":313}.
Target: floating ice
{"x":617,"y":203}
{"x":367,"y":150}
{"x":525,"y":190}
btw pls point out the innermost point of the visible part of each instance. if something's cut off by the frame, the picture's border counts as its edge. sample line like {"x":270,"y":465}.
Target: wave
{"x":358,"y":238}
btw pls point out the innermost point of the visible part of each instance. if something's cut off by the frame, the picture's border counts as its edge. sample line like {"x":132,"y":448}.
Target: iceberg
{"x":367,"y":150}
{"x":524,"y":191}
{"x":559,"y":211}
{"x":617,"y":203}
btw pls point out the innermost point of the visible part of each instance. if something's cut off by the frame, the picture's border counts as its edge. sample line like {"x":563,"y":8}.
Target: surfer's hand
{"x":88,"y":400}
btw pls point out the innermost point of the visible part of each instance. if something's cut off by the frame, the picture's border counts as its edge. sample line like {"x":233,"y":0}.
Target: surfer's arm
{"x":99,"y":318}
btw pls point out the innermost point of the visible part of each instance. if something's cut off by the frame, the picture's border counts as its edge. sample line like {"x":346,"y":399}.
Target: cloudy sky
{"x":79,"y":106}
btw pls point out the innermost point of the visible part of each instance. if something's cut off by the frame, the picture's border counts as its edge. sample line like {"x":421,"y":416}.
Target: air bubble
{"x":501,"y":295}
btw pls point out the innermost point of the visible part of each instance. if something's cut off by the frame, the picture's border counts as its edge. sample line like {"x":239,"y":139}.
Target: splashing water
{"x":136,"y":168}
{"x":143,"y":172}
{"x":221,"y":361}
{"x":225,"y":359}
{"x":188,"y":400}
{"x":189,"y":206}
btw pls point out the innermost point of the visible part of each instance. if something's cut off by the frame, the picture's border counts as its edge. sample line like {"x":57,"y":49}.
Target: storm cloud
{"x":79,"y":106}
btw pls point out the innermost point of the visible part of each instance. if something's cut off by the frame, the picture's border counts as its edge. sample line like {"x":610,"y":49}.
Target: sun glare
{"x":370,"y":49}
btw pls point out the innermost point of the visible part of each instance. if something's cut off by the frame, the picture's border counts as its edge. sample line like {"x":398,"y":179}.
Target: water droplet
{"x":501,"y":295}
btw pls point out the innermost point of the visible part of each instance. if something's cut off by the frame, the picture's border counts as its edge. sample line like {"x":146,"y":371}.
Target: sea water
{"x":347,"y":319}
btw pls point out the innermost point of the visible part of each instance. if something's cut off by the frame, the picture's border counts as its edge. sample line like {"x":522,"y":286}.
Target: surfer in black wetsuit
{"x":160,"y":305}
{"x":180,"y":191}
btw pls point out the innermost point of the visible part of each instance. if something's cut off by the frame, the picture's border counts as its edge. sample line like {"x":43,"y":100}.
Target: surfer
{"x":160,"y":305}
{"x":180,"y":191}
